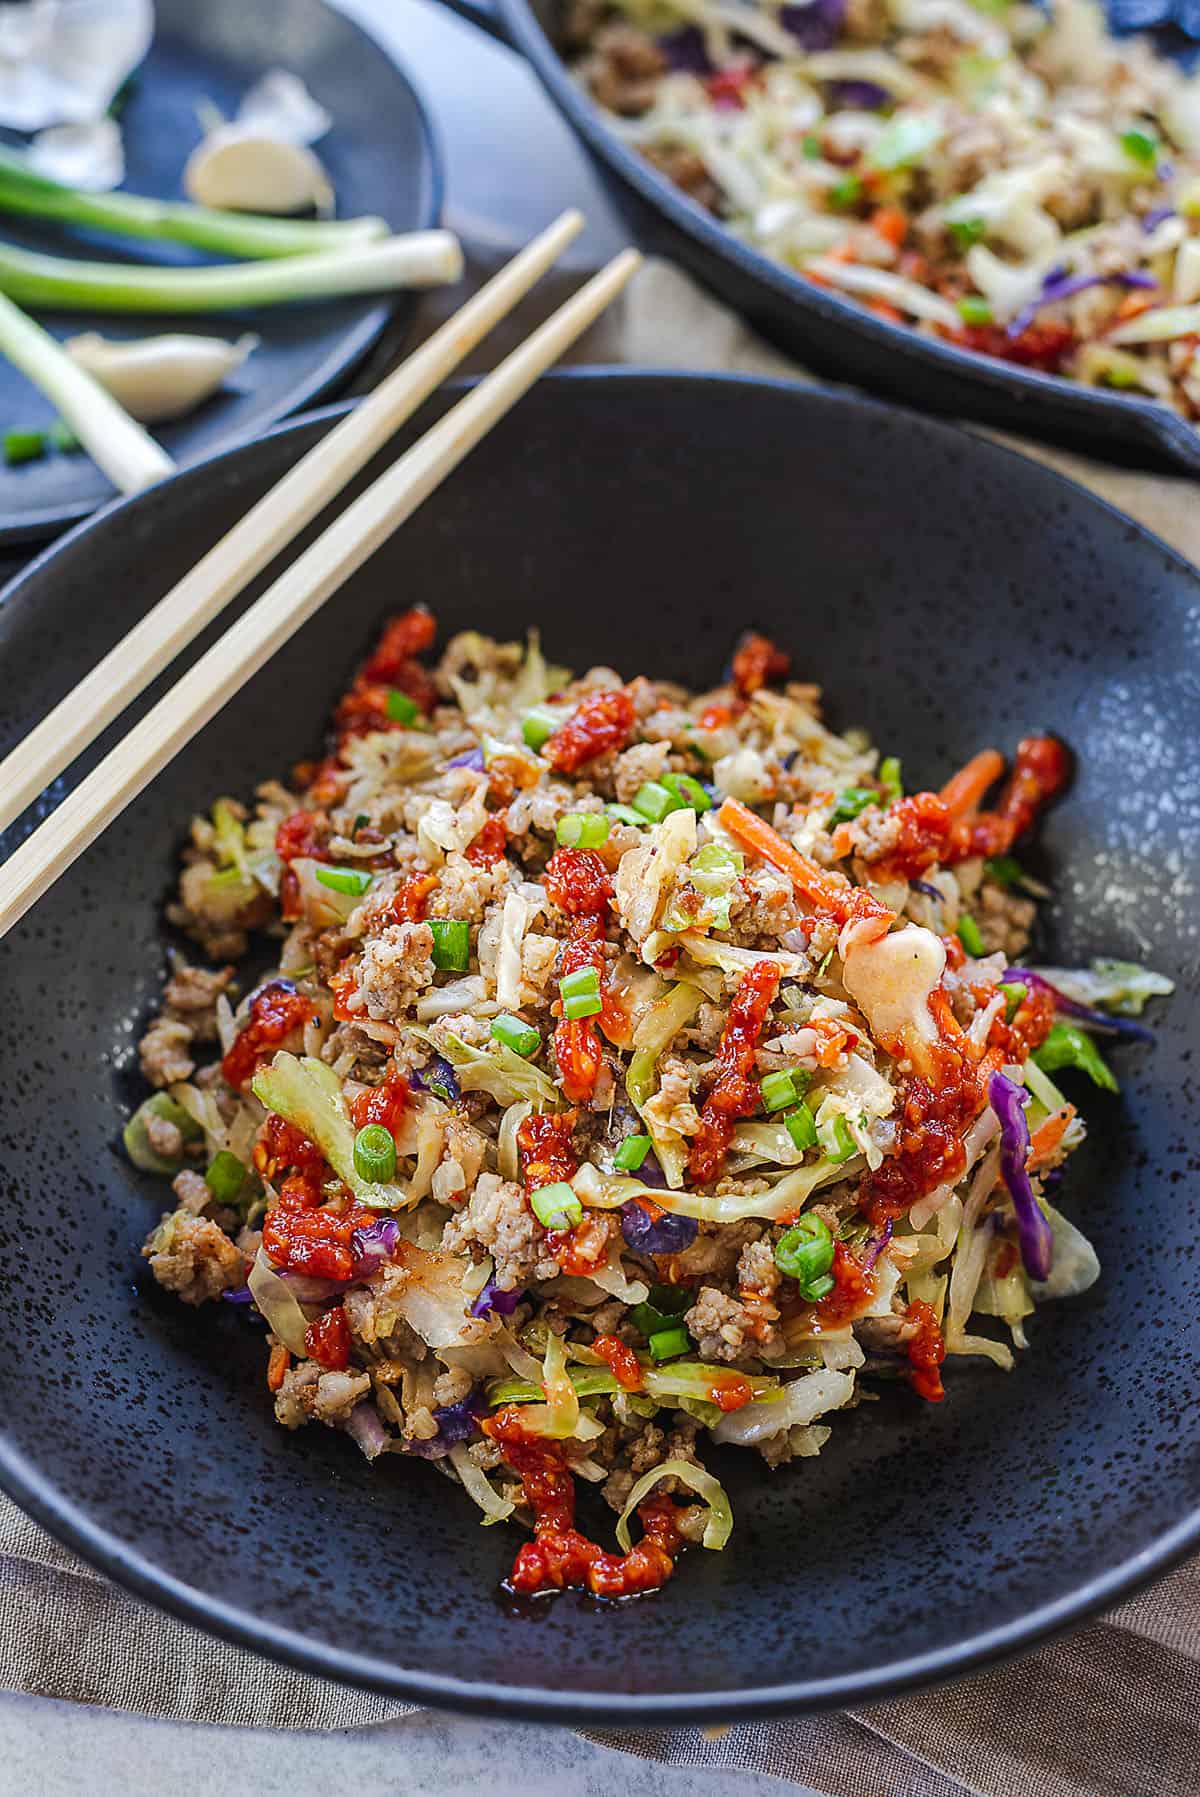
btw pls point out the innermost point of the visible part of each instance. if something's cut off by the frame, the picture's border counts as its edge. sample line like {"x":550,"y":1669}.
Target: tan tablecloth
{"x":1113,"y":1711}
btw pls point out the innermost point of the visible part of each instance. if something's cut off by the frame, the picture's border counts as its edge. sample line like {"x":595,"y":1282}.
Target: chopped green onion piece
{"x":778,"y":1090}
{"x":905,"y":140}
{"x":672,"y":1300}
{"x":965,"y":232}
{"x":668,"y":1344}
{"x":713,"y":857}
{"x":650,"y":1319}
{"x":23,"y":446}
{"x":969,"y":935}
{"x":631,"y":1153}
{"x":354,"y":880}
{"x":655,"y":801}
{"x":1006,"y":870}
{"x":580,"y":994}
{"x":521,"y":1037}
{"x":973,"y":309}
{"x":1140,"y":146}
{"x":451,"y":943}
{"x":805,"y":1253}
{"x":688,"y":791}
{"x":817,"y":1289}
{"x":889,"y":777}
{"x":802,"y":1127}
{"x":539,"y":725}
{"x":62,"y":437}
{"x":375,"y":1154}
{"x":811,"y":146}
{"x":625,"y":814}
{"x":846,"y":192}
{"x":556,"y":1206}
{"x":851,"y":802}
{"x":1014,"y":997}
{"x":582,"y":830}
{"x":1067,"y":1046}
{"x":226,"y":1176}
{"x":400,"y":708}
{"x":836,"y":1141}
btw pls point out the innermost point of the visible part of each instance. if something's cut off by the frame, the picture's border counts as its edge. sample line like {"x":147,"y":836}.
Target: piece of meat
{"x":193,"y":1257}
{"x":496,"y":1220}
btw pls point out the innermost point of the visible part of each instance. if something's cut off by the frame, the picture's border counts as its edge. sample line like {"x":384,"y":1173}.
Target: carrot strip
{"x":891,"y":224}
{"x":964,"y":791}
{"x":277,"y":1366}
{"x":1048,"y":1135}
{"x":809,"y":880}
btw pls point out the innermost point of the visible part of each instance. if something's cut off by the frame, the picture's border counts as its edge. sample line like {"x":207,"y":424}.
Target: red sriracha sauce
{"x":600,"y":722}
{"x":300,"y":1239}
{"x":756,"y":661}
{"x":385,"y":1104}
{"x":623,"y":1363}
{"x":275,"y":1012}
{"x":544,"y":1149}
{"x":328,"y":1340}
{"x":734,"y":1094}
{"x":926,"y":1352}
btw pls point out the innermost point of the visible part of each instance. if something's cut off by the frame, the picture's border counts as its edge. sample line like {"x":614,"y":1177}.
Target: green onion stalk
{"x":245,"y":235}
{"x":116,"y":443}
{"x":419,"y":259}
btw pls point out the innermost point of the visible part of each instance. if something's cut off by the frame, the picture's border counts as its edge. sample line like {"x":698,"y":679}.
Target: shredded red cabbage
{"x":663,"y":1234}
{"x":469,"y":758}
{"x":651,"y":1174}
{"x":1059,"y":285}
{"x":455,"y":1423}
{"x":494,"y":1298}
{"x":815,"y":26}
{"x":1100,"y":1021}
{"x":372,"y":1244}
{"x":1156,"y":216}
{"x":437,"y":1076}
{"x":863,"y":96}
{"x":876,"y":1246}
{"x":929,"y":890}
{"x":1034,"y":1234}
{"x":685,"y":52}
{"x":242,"y":1295}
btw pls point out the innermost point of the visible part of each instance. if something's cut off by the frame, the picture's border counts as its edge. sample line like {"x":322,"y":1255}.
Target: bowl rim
{"x":121,"y":1561}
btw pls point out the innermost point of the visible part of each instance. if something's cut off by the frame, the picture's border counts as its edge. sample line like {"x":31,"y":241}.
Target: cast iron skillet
{"x":949,"y":595}
{"x":381,"y":156}
{"x":831,"y":334}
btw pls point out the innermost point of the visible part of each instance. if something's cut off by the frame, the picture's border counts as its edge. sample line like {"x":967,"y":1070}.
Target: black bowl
{"x":834,"y":335}
{"x":949,"y":594}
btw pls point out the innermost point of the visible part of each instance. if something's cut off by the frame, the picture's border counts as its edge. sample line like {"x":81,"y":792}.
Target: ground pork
{"x":222,"y":932}
{"x":724,"y":1328}
{"x":763,"y":905}
{"x":671,"y":1109}
{"x":163,"y":1052}
{"x":689,"y":171}
{"x":756,"y":1268}
{"x":308,"y":1394}
{"x":461,"y":1163}
{"x":1004,"y":918}
{"x":396,"y":965}
{"x":374,"y":1314}
{"x":624,"y":69}
{"x":163,"y":1136}
{"x":193,"y":1257}
{"x":466,"y":891}
{"x":452,"y":1386}
{"x":192,"y":993}
{"x":645,"y":761}
{"x":714,"y":1252}
{"x":648,"y":1447}
{"x":873,"y":834}
{"x":496,"y":1220}
{"x":192,"y":1190}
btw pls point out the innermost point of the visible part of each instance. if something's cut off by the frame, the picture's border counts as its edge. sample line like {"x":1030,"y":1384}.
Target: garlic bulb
{"x":61,"y":61}
{"x":158,"y":378}
{"x":240,"y":169}
{"x":280,"y":106}
{"x":89,"y":156}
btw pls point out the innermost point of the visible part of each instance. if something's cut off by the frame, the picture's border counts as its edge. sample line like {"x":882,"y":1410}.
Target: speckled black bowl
{"x":948,"y":594}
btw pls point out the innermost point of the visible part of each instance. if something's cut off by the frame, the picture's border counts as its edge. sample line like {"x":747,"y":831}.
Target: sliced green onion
{"x":837,"y":1144}
{"x":63,"y":438}
{"x":451,"y":944}
{"x":23,"y":446}
{"x":974,"y":309}
{"x":802,"y":1128}
{"x":817,"y":1289}
{"x":539,"y":724}
{"x":688,"y":791}
{"x":850,"y":802}
{"x":580,"y":993}
{"x":654,"y":801}
{"x":582,"y":830}
{"x":650,"y":1319}
{"x":354,"y":880}
{"x":805,"y":1253}
{"x":1067,"y":1046}
{"x":359,"y":821}
{"x":668,"y":1344}
{"x":375,"y":1154}
{"x":889,"y":777}
{"x":1006,"y":870}
{"x":965,"y":232}
{"x":631,"y":1153}
{"x":905,"y":140}
{"x":968,"y":933}
{"x":514,"y":1033}
{"x":1140,"y":146}
{"x":1014,"y":997}
{"x":811,"y":146}
{"x":625,"y":814}
{"x":226,"y":1176}
{"x":400,"y":708}
{"x":778,"y":1090}
{"x":846,"y":192}
{"x":556,"y":1206}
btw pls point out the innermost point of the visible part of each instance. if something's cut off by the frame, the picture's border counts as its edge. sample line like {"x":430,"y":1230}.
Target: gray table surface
{"x":495,"y":127}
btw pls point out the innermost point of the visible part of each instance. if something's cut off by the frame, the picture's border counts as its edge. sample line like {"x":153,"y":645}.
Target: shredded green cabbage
{"x":709,"y":1490}
{"x":308,"y":1094}
{"x":602,"y":1191}
{"x":137,"y":1142}
{"x":498,"y":1071}
{"x":277,"y":1302}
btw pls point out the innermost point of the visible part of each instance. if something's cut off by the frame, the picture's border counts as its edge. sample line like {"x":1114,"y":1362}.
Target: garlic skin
{"x":280,"y":106}
{"x":89,"y":156}
{"x":159,"y":378}
{"x":240,"y":169}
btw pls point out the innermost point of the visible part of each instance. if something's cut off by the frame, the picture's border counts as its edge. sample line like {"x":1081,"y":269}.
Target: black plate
{"x":381,"y":156}
{"x":950,"y":595}
{"x":833,"y":335}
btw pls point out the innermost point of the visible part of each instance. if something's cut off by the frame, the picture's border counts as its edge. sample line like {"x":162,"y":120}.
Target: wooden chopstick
{"x":291,"y":599}
{"x":267,"y":528}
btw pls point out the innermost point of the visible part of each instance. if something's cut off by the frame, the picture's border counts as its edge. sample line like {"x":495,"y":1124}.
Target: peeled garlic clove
{"x":280,"y":106}
{"x":157,"y":378}
{"x":246,"y":171}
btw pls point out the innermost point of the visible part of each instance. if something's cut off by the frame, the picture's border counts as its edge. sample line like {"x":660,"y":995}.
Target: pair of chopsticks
{"x":293,"y":598}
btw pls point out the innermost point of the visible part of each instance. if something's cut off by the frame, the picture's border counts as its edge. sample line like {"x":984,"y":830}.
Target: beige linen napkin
{"x":1113,"y":1711}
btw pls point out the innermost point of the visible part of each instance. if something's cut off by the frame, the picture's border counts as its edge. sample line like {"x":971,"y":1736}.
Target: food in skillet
{"x":639,"y":1069}
{"x":1006,"y":178}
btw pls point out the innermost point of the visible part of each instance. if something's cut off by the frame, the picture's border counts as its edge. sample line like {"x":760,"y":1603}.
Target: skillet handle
{"x":483,"y":13}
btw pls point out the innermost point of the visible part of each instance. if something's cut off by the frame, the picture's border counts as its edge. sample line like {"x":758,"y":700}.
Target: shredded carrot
{"x":277,"y":1366}
{"x":842,"y":252}
{"x":1133,"y":305}
{"x":963,"y":792}
{"x":891,"y":224}
{"x":1048,"y":1135}
{"x":811,"y":882}
{"x":883,"y":310}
